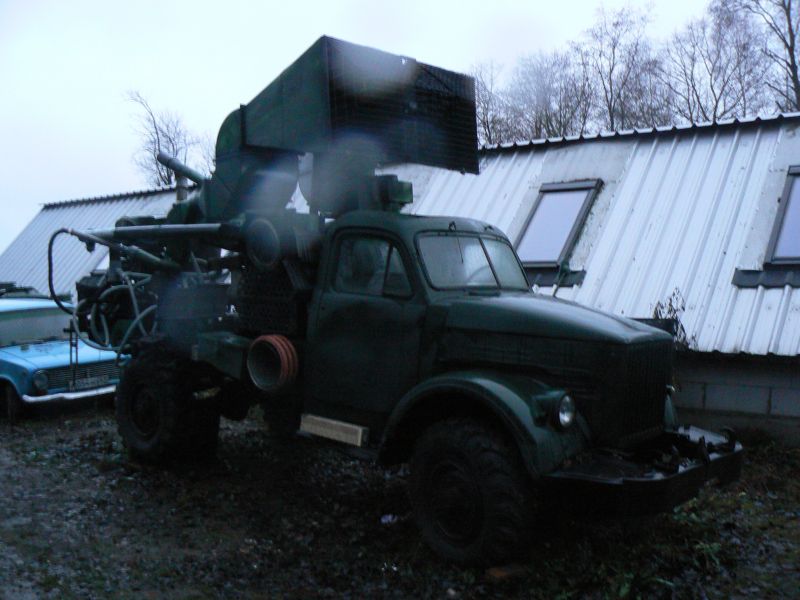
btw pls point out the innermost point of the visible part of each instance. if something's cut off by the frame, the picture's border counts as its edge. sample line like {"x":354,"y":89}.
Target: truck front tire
{"x":472,"y":499}
{"x":157,"y":414}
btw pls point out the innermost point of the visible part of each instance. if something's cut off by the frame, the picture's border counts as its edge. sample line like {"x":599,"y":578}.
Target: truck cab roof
{"x":407,"y":226}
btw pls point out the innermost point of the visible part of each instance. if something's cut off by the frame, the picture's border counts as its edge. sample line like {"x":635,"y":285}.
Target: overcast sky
{"x":67,"y":130}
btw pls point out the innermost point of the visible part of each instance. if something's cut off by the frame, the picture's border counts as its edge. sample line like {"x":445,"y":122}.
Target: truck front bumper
{"x":79,"y":395}
{"x":654,"y":477}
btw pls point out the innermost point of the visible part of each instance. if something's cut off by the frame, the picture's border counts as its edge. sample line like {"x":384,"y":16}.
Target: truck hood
{"x":48,"y":355}
{"x":543,"y":316}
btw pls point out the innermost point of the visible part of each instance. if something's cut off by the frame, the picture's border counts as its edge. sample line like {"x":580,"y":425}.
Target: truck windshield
{"x":456,"y":261}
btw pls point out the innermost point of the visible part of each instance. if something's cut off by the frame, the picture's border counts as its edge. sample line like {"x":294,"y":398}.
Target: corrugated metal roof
{"x":644,"y":131}
{"x":679,"y":211}
{"x":25,"y":260}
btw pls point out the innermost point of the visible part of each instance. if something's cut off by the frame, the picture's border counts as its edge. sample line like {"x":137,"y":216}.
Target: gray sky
{"x":67,"y":130}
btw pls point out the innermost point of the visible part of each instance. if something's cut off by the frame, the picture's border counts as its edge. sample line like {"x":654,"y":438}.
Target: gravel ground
{"x":300,"y":519}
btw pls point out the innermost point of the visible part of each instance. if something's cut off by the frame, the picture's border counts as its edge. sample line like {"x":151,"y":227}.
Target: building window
{"x":553,"y":227}
{"x":782,"y":262}
{"x":784,"y":245}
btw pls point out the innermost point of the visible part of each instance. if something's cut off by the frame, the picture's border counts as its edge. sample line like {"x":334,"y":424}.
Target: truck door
{"x":365,"y":331}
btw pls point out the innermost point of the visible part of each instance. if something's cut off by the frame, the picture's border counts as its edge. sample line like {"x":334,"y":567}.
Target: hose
{"x":131,"y":327}
{"x":50,"y":285}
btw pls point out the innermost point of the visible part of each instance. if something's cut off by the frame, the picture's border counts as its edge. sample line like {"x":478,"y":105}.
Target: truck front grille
{"x":619,"y":389}
{"x":648,"y":371}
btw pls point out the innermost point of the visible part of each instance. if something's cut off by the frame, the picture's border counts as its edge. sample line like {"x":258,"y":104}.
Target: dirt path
{"x":300,"y":519}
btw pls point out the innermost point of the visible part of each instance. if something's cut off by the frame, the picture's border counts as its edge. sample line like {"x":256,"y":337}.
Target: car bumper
{"x":102,"y":391}
{"x":655,"y":477}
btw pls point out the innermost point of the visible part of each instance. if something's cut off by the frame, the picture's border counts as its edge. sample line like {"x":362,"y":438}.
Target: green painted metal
{"x":525,"y":407}
{"x":351,"y":107}
{"x":223,"y":350}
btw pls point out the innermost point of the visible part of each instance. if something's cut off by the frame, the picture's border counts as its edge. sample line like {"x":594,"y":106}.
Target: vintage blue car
{"x":39,"y":364}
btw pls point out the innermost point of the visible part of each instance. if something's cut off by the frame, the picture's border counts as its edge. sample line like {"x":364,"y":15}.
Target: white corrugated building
{"x":696,"y":224}
{"x":700,"y":224}
{"x":24,"y":262}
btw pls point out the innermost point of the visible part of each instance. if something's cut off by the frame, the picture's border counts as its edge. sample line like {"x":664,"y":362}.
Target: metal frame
{"x":783,"y":202}
{"x":394,"y":242}
{"x":592,"y":187}
{"x":480,"y":237}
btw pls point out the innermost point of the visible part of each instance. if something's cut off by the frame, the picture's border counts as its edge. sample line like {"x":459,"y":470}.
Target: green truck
{"x":415,"y":338}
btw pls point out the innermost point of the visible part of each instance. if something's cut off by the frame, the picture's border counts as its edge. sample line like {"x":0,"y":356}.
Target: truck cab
{"x":384,"y":281}
{"x":423,"y":333}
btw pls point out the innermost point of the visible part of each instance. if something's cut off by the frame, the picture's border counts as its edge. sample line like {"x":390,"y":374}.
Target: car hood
{"x":543,"y":316}
{"x":48,"y":355}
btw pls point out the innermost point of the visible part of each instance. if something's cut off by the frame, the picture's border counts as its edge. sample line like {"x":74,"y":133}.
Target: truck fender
{"x":521,"y":406}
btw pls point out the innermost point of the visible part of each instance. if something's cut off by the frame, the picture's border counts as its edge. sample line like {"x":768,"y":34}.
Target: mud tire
{"x":157,"y":415}
{"x":472,"y":499}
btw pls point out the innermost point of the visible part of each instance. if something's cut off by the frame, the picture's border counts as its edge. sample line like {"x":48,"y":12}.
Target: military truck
{"x":415,"y":338}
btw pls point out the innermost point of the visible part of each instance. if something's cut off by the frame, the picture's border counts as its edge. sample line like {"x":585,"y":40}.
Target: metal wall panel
{"x":25,"y":260}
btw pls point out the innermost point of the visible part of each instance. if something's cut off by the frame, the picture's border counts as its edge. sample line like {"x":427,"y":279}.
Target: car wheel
{"x":14,"y":406}
{"x":472,"y":498}
{"x":158,"y":416}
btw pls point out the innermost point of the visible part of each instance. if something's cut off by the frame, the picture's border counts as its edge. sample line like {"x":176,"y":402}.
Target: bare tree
{"x":715,"y":68}
{"x":617,"y":50}
{"x":648,"y":101}
{"x":161,"y":131}
{"x":550,"y":95}
{"x":781,"y":19}
{"x":490,"y":107}
{"x":207,"y":149}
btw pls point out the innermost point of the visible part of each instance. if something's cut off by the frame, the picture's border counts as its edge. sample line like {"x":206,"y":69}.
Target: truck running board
{"x":355,"y":435}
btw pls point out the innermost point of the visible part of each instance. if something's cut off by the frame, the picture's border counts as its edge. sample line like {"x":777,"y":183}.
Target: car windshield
{"x":26,"y":326}
{"x":457,"y":261}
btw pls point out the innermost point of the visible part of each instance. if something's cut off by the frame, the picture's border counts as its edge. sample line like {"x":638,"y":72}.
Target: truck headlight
{"x":565,"y":411}
{"x":40,"y":381}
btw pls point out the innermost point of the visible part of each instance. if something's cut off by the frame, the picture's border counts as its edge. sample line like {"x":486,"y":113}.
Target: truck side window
{"x":370,"y":266}
{"x":397,"y":283}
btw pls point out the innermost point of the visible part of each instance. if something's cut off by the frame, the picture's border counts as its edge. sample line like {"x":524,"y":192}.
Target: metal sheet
{"x":25,"y":259}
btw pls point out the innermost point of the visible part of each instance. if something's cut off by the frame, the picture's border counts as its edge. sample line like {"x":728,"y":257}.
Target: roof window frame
{"x":770,"y":260}
{"x":592,"y":187}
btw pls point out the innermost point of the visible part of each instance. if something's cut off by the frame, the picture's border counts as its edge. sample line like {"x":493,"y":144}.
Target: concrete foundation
{"x":742,"y":392}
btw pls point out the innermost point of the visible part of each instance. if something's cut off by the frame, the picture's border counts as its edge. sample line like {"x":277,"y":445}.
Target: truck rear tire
{"x":472,"y":499}
{"x":157,"y":414}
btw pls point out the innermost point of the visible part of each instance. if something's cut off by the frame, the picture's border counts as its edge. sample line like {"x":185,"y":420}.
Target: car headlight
{"x":40,"y":381}
{"x":565,"y":411}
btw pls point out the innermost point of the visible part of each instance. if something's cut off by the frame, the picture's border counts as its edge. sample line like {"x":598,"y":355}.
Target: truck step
{"x":355,"y":435}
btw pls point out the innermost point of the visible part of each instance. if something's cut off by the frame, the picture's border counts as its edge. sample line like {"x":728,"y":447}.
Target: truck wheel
{"x":13,"y":404}
{"x":157,"y":414}
{"x":471,"y":496}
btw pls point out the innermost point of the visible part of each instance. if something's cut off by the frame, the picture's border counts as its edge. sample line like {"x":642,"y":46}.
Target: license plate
{"x":89,"y":382}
